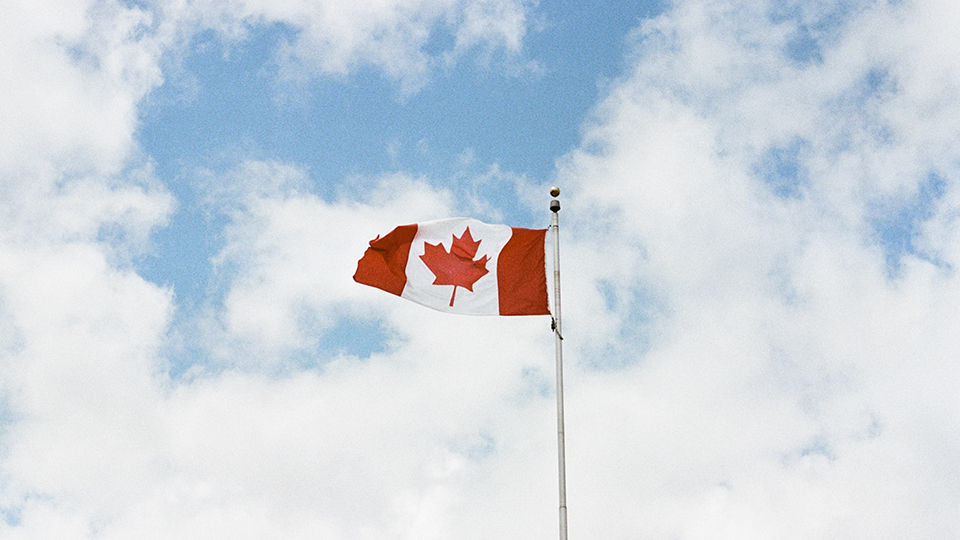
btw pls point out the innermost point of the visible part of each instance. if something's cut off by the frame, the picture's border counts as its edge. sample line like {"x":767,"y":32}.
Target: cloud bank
{"x":760,"y":293}
{"x":772,"y":190}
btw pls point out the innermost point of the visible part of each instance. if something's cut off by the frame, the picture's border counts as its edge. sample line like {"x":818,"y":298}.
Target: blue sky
{"x":759,"y":246}
{"x":518,"y":111}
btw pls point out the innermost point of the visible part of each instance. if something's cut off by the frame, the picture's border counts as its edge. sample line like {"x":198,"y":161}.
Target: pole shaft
{"x":558,"y":339}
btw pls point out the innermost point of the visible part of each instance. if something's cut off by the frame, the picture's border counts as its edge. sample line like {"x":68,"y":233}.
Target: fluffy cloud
{"x":82,"y":330}
{"x":97,"y":440}
{"x":759,"y":251}
{"x":403,"y":40}
{"x":777,"y":181}
{"x":284,"y":275}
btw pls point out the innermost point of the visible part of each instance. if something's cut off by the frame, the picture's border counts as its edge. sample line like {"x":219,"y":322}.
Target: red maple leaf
{"x":457,"y":267}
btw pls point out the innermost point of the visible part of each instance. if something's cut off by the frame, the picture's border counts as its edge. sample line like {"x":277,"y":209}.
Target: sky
{"x":760,"y":237}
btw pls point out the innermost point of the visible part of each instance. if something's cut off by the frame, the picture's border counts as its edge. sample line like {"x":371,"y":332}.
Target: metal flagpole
{"x":558,"y":340}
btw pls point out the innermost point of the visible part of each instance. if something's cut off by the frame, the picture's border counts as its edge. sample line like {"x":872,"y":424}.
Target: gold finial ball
{"x":554,"y":191}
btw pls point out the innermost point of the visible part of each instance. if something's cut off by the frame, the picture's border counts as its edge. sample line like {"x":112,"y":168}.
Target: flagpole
{"x":558,"y":340}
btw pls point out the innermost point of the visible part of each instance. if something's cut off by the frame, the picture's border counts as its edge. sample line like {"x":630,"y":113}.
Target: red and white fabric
{"x":461,"y":265}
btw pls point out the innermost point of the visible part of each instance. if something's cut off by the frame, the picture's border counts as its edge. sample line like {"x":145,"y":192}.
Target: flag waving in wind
{"x":461,"y":265}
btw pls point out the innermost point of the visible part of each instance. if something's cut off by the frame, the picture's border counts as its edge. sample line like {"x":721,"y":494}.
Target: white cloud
{"x":794,"y":384}
{"x":412,"y":442}
{"x":396,"y":37}
{"x":98,"y":442}
{"x":744,"y":359}
{"x":83,"y":330}
{"x":289,"y":256}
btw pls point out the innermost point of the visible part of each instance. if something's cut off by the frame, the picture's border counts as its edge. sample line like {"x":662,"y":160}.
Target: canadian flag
{"x":461,"y":265}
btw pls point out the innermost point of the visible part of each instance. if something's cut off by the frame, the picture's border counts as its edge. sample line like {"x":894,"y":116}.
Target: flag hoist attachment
{"x":558,"y":340}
